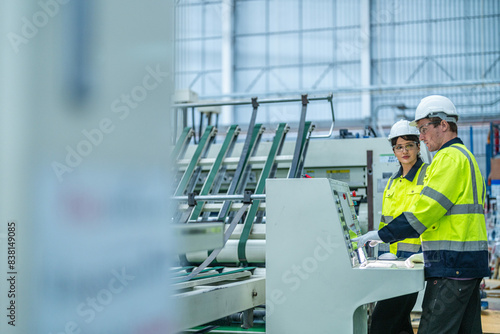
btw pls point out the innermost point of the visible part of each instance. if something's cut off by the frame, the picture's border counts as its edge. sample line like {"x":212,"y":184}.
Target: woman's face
{"x":406,"y":151}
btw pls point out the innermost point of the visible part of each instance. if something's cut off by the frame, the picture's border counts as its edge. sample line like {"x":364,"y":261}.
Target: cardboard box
{"x":495,"y":170}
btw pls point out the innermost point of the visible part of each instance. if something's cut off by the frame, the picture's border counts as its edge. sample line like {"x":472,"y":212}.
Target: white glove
{"x":374,"y":243}
{"x":369,"y":236}
{"x":415,"y":258}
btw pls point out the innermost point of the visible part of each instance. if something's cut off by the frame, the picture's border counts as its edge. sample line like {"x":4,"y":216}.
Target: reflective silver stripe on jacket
{"x":473,"y":171}
{"x":457,"y":246}
{"x":438,"y":197}
{"x":404,"y":247}
{"x":414,"y":222}
{"x":386,"y":219}
{"x":476,"y":200}
{"x":461,"y":209}
{"x":390,"y":182}
{"x":421,"y":176}
{"x":458,"y":209}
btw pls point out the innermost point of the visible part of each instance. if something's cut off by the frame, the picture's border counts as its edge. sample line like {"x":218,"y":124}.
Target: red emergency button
{"x":353,"y":194}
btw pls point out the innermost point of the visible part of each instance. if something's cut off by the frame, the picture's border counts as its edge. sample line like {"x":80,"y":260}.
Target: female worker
{"x":402,"y":190}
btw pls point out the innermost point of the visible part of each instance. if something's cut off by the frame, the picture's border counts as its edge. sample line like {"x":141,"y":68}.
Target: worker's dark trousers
{"x":392,"y":316}
{"x":451,"y":306}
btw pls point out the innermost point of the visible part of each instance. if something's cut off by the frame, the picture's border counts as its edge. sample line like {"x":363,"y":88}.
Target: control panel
{"x":348,"y":220}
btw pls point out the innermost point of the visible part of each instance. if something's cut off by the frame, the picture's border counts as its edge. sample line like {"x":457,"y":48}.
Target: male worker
{"x":449,"y":218}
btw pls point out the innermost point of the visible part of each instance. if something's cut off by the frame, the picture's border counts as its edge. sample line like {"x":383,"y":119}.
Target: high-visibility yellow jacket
{"x":449,"y":216}
{"x":399,"y":195}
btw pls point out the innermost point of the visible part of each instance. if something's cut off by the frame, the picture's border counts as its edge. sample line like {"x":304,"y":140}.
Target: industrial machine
{"x":272,"y":198}
{"x":314,"y":271}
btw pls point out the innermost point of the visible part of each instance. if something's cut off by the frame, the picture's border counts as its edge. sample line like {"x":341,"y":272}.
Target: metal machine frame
{"x":226,"y":183}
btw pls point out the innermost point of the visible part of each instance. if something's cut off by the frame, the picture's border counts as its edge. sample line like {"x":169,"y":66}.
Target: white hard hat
{"x":436,"y":106}
{"x":402,"y":128}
